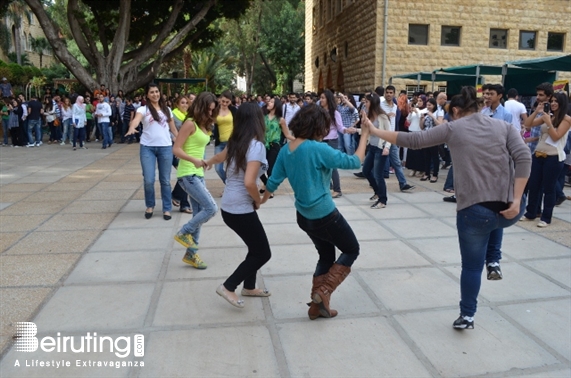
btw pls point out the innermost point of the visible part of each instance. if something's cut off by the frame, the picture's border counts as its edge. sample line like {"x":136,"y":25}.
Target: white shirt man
{"x":290,"y":108}
{"x":516,"y":108}
{"x":390,"y":108}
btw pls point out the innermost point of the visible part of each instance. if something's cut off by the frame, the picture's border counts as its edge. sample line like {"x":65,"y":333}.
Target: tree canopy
{"x":125,"y":41}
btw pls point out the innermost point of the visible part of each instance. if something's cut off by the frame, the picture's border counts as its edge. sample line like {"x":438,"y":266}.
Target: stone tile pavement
{"x":77,"y":256}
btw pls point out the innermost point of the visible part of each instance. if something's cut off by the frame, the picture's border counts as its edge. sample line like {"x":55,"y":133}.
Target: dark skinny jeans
{"x":327,"y":233}
{"x":250,"y":230}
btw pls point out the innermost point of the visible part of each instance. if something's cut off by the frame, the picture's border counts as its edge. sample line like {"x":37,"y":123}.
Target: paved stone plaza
{"x":77,"y":256}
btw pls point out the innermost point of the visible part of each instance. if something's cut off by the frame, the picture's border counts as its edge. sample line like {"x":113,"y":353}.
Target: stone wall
{"x":360,"y":19}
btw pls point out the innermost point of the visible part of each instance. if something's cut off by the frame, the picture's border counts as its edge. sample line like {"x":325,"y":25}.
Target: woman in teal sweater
{"x":308,"y":164}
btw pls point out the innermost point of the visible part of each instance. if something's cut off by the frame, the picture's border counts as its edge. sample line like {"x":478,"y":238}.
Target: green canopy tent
{"x":523,"y":79}
{"x":454,"y":81}
{"x":548,"y":63}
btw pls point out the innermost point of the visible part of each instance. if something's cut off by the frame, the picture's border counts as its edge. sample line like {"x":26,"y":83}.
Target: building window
{"x":314,"y":20}
{"x":333,"y":55}
{"x":442,"y":88}
{"x":498,"y":38}
{"x":417,"y":34}
{"x":527,"y":40}
{"x":450,"y":35}
{"x":321,"y":12}
{"x":555,"y":41}
{"x":316,"y":62}
{"x":339,"y":6}
{"x":410,"y":89}
{"x":330,"y":6}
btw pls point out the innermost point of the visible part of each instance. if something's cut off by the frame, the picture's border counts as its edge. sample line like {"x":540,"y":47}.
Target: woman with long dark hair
{"x":547,"y":161}
{"x":489,"y":196}
{"x":327,"y":102}
{"x":375,"y":161}
{"x":156,"y":148}
{"x":189,"y":147}
{"x":223,"y":128}
{"x":50,"y":114}
{"x":179,"y":196}
{"x":245,"y":157}
{"x":415,"y":158}
{"x":275,"y":127}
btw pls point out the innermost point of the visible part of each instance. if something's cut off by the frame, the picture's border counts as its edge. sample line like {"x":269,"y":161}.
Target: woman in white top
{"x":156,"y":148}
{"x":66,"y":114}
{"x":79,"y":120}
{"x":547,"y":161}
{"x":415,"y":158}
{"x":245,"y":156}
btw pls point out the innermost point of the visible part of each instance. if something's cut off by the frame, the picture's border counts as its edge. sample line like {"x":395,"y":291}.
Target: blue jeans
{"x":394,"y":160}
{"x":327,"y":233}
{"x":478,"y":227}
{"x":203,"y":205}
{"x":544,"y":174}
{"x":78,"y":136}
{"x":34,"y":124}
{"x":561,"y":182}
{"x":5,"y":129}
{"x":107,"y":132}
{"x":373,"y":169}
{"x":150,"y":157}
{"x":449,"y":184}
{"x":346,"y":143}
{"x":220,"y":167}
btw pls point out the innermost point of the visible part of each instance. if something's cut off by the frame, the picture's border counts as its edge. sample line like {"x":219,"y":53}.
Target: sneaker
{"x":449,"y":199}
{"x":186,"y":240}
{"x":359,"y":174}
{"x":407,"y":187}
{"x":83,"y":148}
{"x":494,"y":271}
{"x":97,"y":140}
{"x":464,"y":322}
{"x":374,"y":198}
{"x":560,"y":200}
{"x":30,"y":145}
{"x":62,"y":144}
{"x":194,"y":260}
{"x":39,"y":144}
{"x":525,"y":219}
{"x":542,"y":224}
{"x":378,"y":205}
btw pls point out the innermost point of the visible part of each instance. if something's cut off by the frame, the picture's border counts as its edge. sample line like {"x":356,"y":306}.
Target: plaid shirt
{"x":348,"y":115}
{"x":535,"y":132}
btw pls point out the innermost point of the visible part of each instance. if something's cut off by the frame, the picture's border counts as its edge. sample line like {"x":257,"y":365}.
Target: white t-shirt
{"x":516,"y":109}
{"x":387,"y":108}
{"x":236,"y":199}
{"x":289,"y":111}
{"x":155,"y":134}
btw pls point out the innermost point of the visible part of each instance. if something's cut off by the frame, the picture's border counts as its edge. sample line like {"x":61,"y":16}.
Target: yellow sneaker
{"x":186,"y":240}
{"x":194,"y":260}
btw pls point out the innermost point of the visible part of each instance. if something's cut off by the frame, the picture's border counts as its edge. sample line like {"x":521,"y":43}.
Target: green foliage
{"x":212,"y":64}
{"x":14,"y":59}
{"x":28,"y":71}
{"x":55,"y":71}
{"x":18,"y":75}
{"x":6,"y":72}
{"x":283,"y":40}
{"x":3,"y":63}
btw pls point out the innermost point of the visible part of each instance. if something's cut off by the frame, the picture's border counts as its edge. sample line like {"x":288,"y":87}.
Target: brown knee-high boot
{"x":332,"y":280}
{"x":313,"y":311}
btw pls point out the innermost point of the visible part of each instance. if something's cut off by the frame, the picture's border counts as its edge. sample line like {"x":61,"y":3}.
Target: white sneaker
{"x":542,"y":224}
{"x":30,"y":145}
{"x":62,"y":144}
{"x":38,"y":144}
{"x":525,"y":219}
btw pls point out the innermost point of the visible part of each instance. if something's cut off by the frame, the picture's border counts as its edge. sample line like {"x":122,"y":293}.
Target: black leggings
{"x":431,"y":157}
{"x":271,"y":155}
{"x":250,"y":230}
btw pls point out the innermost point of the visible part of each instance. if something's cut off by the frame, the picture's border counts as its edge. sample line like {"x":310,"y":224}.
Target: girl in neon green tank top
{"x":189,"y":147}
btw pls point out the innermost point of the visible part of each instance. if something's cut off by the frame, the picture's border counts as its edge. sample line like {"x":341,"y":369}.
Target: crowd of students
{"x":494,"y":146}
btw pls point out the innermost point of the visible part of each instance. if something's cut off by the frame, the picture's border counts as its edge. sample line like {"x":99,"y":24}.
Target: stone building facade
{"x":29,"y":28}
{"x":345,"y":38}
